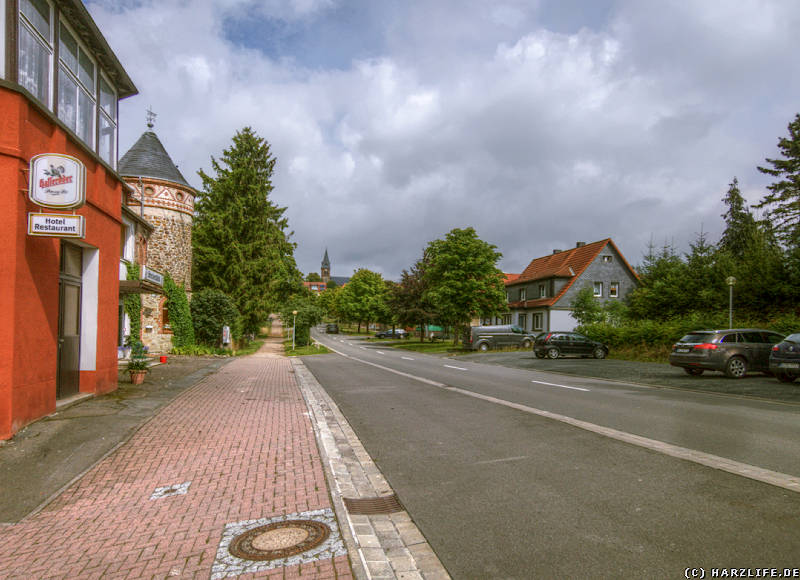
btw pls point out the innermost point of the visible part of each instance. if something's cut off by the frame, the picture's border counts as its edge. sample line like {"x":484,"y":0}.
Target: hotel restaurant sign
{"x":57,"y":182}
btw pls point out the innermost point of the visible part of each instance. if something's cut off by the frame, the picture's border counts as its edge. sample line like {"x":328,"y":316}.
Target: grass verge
{"x":315,"y":348}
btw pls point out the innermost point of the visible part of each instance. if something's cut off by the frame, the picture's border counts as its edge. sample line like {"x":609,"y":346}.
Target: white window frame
{"x":523,"y":294}
{"x":522,"y":320}
{"x":542,"y":291}
{"x":613,"y":290}
{"x":537,"y":321}
{"x":113,"y":121}
{"x":598,"y":290}
{"x":80,"y":88}
{"x":25,"y":25}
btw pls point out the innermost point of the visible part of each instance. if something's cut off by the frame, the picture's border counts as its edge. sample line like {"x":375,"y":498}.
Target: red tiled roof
{"x":510,"y":277}
{"x":566,"y":264}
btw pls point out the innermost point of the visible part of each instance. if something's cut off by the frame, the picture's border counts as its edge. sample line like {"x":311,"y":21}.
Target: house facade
{"x":539,"y":298}
{"x":60,"y":208}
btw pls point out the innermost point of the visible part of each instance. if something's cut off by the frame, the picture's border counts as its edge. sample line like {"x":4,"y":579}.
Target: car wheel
{"x":736,"y":367}
{"x":526,"y":344}
{"x":553,"y":353}
{"x":785,"y":378}
{"x":599,"y":352}
{"x":539,"y":354}
{"x":692,"y":371}
{"x":483,"y":347}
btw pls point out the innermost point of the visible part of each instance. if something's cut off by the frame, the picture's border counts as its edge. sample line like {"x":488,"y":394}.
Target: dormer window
{"x":523,"y":294}
{"x":542,"y":291}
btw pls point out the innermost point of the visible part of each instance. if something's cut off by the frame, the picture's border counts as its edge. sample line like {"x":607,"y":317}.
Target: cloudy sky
{"x":538,"y":123}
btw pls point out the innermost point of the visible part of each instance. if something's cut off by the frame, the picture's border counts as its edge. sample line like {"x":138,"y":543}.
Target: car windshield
{"x":793,"y":338}
{"x":697,"y":337}
{"x":517,"y":329}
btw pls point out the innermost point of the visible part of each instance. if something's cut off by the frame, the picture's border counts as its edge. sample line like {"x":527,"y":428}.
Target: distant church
{"x":325,"y":272}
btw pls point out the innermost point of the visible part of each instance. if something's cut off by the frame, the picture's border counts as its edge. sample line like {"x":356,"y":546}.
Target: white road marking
{"x":782,"y":480}
{"x":562,"y":386}
{"x":406,"y":358}
{"x":380,"y":352}
{"x":501,"y":460}
{"x":457,"y":368}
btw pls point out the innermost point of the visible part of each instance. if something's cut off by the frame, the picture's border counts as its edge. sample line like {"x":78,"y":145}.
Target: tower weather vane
{"x":151,"y":117}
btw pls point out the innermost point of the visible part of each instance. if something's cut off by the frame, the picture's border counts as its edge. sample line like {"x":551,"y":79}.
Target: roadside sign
{"x":57,"y":181}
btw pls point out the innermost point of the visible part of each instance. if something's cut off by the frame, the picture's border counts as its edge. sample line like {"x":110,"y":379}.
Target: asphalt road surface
{"x":522,"y":474}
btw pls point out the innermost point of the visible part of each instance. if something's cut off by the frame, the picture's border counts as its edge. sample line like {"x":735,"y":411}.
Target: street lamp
{"x":731,"y":281}
{"x":294,"y":320}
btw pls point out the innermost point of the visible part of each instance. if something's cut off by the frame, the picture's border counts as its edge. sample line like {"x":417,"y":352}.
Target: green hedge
{"x":211,"y":310}
{"x":133,"y":303}
{"x":668,"y":332}
{"x":180,"y":318}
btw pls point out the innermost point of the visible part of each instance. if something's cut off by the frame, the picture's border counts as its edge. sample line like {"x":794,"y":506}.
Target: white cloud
{"x":475,"y":114}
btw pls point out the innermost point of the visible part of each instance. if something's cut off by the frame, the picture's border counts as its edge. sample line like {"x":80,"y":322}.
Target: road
{"x":522,"y":474}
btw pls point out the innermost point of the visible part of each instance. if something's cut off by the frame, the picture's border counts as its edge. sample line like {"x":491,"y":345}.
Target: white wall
{"x":3,"y":39}
{"x":90,"y":286}
{"x":562,"y":320}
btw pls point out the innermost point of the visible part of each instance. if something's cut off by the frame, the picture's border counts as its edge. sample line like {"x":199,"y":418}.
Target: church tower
{"x":325,"y":271}
{"x":169,"y":207}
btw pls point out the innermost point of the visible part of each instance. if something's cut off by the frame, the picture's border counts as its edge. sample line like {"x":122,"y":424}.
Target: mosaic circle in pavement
{"x":279,"y":540}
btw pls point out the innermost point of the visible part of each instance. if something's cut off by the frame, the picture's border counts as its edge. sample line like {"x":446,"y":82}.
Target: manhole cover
{"x":279,"y":540}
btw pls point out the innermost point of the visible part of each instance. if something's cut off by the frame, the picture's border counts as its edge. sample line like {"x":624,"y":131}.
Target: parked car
{"x":733,"y":351}
{"x":503,"y":335}
{"x":391,"y":333}
{"x":332,"y":328}
{"x":556,"y":344}
{"x":784,"y":359}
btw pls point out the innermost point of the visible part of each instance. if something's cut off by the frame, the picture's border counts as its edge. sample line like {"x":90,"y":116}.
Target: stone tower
{"x":325,"y":271}
{"x":168,"y":206}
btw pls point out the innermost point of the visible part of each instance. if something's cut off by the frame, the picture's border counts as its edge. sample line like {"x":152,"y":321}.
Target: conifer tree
{"x":240,"y":240}
{"x":740,"y":225}
{"x":783,"y":200}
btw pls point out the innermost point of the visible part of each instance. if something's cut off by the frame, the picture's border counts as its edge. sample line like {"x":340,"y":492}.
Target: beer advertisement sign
{"x":57,"y":181}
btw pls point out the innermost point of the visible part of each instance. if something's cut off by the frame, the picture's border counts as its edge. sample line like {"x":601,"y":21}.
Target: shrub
{"x":133,"y":303}
{"x":180,"y":318}
{"x":211,"y":310}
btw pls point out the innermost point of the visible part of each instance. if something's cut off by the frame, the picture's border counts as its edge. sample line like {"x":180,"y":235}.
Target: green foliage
{"x":133,"y":302}
{"x":309,"y":313}
{"x":138,"y":360}
{"x":364,"y":298}
{"x":783,"y":201}
{"x":462,"y":279}
{"x":180,"y":317}
{"x":211,"y":310}
{"x":740,"y":225}
{"x":586,"y":309}
{"x":328,"y":302}
{"x":313,"y":277}
{"x":407,"y":299}
{"x":240,"y":241}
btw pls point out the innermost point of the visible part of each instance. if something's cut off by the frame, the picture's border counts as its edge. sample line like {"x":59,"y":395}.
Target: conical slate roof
{"x":326,"y":263}
{"x":148,"y":158}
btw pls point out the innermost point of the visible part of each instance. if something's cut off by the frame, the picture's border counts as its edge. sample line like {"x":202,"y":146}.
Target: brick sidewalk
{"x":234,"y":452}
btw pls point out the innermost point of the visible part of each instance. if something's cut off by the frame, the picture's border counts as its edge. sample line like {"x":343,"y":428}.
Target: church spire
{"x":325,"y":272}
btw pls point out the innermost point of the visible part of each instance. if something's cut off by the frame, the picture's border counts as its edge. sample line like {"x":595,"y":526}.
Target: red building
{"x":60,"y":84}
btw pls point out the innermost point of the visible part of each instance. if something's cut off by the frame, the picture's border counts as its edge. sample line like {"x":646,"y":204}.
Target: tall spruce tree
{"x":740,"y":225}
{"x":240,"y":240}
{"x":783,"y":200}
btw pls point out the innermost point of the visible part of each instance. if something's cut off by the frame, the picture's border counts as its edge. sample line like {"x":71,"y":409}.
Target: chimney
{"x":556,"y":252}
{"x":580,"y":244}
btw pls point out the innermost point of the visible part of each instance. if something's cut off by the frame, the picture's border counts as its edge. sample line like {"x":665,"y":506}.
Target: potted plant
{"x":138,"y":363}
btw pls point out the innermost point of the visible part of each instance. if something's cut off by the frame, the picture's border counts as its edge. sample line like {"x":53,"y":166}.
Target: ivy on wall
{"x":180,"y":317}
{"x":133,"y":304}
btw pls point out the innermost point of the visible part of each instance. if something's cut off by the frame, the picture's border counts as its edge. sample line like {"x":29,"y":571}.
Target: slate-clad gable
{"x":148,"y":158}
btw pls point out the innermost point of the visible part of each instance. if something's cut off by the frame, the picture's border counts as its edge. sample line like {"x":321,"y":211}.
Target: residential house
{"x":539,"y":298}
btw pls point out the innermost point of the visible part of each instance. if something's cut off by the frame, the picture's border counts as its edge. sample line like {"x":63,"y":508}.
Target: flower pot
{"x":162,"y":359}
{"x":137,"y":377}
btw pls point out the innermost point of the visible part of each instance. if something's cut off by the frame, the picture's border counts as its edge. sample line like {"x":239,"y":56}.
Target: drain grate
{"x":369,"y":506}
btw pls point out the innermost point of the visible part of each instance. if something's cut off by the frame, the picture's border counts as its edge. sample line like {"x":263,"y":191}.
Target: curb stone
{"x":381,"y":547}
